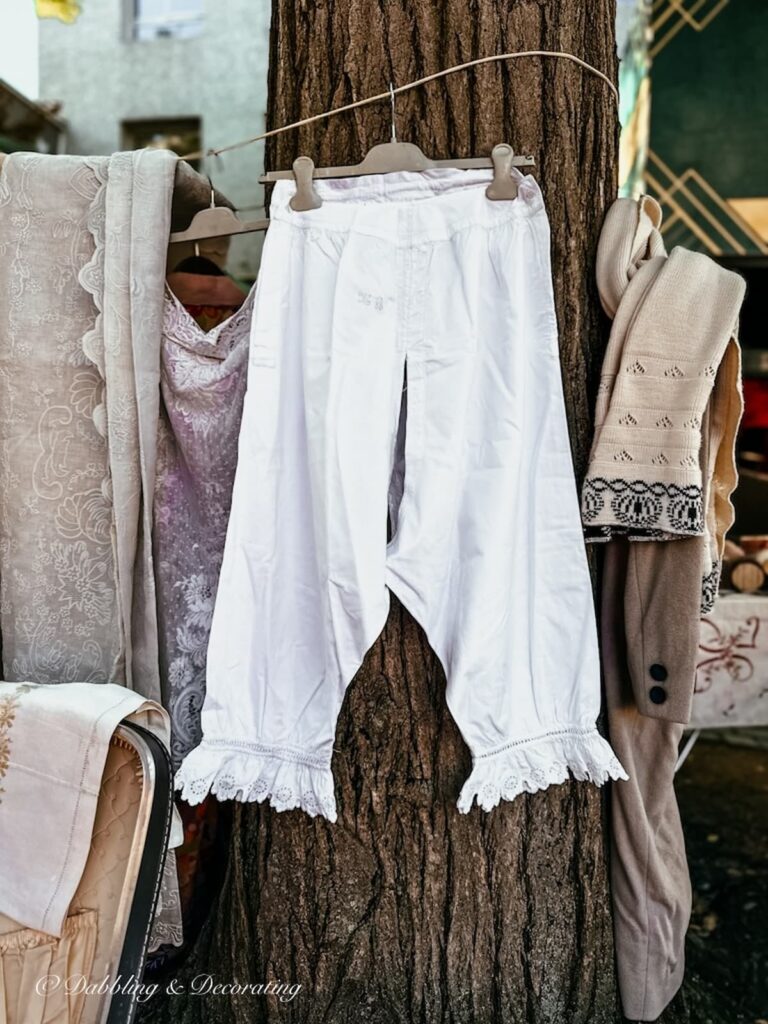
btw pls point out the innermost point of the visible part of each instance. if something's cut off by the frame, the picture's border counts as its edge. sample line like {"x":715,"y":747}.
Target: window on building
{"x":180,"y":134}
{"x":167,"y":19}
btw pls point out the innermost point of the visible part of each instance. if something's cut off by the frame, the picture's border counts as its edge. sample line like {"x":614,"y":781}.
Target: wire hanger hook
{"x":392,"y":106}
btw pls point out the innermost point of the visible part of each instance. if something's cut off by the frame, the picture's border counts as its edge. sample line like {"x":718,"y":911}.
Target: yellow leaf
{"x":65,"y":10}
{"x":709,"y":923}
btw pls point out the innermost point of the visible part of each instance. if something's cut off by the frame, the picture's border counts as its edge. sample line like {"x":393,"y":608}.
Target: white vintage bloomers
{"x":413,"y":276}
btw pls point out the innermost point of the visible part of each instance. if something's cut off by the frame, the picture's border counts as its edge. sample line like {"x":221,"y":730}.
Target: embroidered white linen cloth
{"x":53,"y":747}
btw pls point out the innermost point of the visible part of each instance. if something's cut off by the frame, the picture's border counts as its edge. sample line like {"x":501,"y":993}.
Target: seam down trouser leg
{"x":650,"y":883}
{"x":416,"y":275}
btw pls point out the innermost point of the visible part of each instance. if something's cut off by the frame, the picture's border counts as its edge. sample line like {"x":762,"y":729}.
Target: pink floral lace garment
{"x":203,"y":380}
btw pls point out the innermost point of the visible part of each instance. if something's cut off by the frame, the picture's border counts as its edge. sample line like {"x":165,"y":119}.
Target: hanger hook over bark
{"x":392,"y":105}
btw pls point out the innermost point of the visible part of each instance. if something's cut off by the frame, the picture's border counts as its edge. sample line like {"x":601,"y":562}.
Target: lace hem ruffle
{"x":249,"y":774}
{"x":535,"y":764}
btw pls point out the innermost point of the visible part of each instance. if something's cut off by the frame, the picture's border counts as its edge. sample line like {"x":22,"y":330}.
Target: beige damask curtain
{"x":83,"y":244}
{"x":82,"y":269}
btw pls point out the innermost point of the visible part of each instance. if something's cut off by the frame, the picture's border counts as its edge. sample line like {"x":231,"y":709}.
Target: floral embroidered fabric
{"x":59,"y":611}
{"x":81,"y":304}
{"x":202,"y":380}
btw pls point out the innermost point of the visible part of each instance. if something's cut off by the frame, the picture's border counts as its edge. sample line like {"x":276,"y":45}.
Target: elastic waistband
{"x":408,"y":206}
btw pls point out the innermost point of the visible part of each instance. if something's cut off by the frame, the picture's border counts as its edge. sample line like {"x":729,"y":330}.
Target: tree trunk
{"x":406,"y":911}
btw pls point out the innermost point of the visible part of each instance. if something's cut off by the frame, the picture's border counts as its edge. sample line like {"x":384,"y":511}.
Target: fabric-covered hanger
{"x":388,"y":157}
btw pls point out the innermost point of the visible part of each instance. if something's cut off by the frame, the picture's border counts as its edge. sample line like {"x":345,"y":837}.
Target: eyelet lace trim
{"x":248,"y":773}
{"x":531,"y":765}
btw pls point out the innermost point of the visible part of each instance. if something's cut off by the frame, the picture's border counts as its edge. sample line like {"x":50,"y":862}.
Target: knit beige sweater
{"x":669,"y":402}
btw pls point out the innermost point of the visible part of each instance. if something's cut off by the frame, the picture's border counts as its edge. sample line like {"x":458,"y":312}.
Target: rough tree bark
{"x":405,"y":910}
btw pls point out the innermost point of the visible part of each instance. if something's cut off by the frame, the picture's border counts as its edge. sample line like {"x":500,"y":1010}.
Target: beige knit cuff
{"x":648,"y":506}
